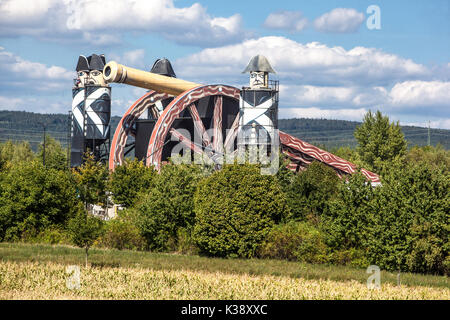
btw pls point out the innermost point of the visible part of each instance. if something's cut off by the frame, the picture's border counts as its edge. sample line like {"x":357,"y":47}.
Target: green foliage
{"x":410,"y":228}
{"x":401,"y":225}
{"x":352,"y":257}
{"x":168,"y":205}
{"x":51,"y":235}
{"x":128,"y":180}
{"x":12,"y":153}
{"x":434,"y":156}
{"x":235,"y":209}
{"x":91,"y":179}
{"x":348,"y":215}
{"x":33,"y":198}
{"x":295,"y":241}
{"x":311,"y":190}
{"x":122,"y":233}
{"x":379,"y":142}
{"x":55,"y":155}
{"x":84,"y":229}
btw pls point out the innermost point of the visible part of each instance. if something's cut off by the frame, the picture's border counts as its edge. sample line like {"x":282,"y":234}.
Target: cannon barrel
{"x":115,"y":72}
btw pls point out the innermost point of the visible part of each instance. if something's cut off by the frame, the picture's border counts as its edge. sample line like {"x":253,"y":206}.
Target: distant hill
{"x":27,"y":126}
{"x":336,"y":133}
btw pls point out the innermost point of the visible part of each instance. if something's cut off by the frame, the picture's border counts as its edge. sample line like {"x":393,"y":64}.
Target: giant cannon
{"x":211,"y":121}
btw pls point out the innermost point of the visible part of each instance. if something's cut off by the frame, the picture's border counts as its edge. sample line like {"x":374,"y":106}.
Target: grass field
{"x":39,"y":272}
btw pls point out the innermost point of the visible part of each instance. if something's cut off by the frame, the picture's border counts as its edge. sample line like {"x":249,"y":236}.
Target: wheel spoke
{"x":217,"y":125}
{"x":198,"y":125}
{"x":186,"y":141}
{"x":232,"y":134}
{"x":154,"y":111}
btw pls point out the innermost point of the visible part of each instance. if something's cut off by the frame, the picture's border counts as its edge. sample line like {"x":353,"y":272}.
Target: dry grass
{"x":37,"y":280}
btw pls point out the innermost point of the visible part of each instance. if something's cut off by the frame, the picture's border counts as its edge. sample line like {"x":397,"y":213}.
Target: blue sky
{"x":329,"y":63}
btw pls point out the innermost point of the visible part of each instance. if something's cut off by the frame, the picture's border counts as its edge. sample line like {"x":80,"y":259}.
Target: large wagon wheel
{"x":152,"y":101}
{"x":221,"y":103}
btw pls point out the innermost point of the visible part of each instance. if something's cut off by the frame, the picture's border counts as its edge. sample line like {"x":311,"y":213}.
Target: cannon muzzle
{"x":115,"y":72}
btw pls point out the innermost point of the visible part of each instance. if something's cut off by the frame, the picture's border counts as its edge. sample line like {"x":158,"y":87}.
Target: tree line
{"x":312,"y":216}
{"x":325,"y":133}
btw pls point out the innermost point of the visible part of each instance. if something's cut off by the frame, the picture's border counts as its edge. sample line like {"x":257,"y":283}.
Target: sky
{"x":333,"y":59}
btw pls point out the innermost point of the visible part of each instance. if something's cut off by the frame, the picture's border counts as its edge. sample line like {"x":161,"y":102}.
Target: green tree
{"x":55,"y":155}
{"x":33,"y":198}
{"x":84,"y":229}
{"x":379,"y":141}
{"x":128,"y":180}
{"x":169,"y":205}
{"x":91,"y":179}
{"x":311,"y":190}
{"x":410,"y":226}
{"x":434,"y":156}
{"x":235,"y":209}
{"x":11,"y":153}
{"x":348,"y":215}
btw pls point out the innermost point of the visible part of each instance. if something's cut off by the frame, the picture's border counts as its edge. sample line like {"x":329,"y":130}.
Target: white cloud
{"x":421,"y":94}
{"x":286,"y":20}
{"x":103,"y":21}
{"x":314,"y":75}
{"x":312,"y":63}
{"x":17,"y":72}
{"x":327,"y":96}
{"x":314,"y":112}
{"x":339,"y":20}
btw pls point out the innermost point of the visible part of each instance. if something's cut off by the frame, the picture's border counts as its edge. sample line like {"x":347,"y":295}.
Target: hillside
{"x":28,"y":126}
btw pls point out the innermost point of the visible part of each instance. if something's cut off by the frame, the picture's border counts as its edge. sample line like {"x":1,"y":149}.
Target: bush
{"x":34,"y":198}
{"x":352,"y":256}
{"x":410,"y":226}
{"x":295,"y":241}
{"x":122,"y":233}
{"x":168,"y":206}
{"x":128,"y":180}
{"x":235,"y":209}
{"x":348,"y":216}
{"x":51,"y":235}
{"x":311,"y":190}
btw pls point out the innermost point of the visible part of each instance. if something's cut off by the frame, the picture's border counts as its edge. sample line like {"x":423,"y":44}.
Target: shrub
{"x":410,"y":226}
{"x":311,"y":190}
{"x":235,"y":209}
{"x":354,"y":257}
{"x":122,"y":233}
{"x":50,"y":235}
{"x":348,"y":216}
{"x":297,"y":241}
{"x":34,"y":198}
{"x":168,"y":206}
{"x":128,"y":180}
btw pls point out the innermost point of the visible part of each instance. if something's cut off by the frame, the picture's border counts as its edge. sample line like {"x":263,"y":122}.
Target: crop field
{"x":40,"y":272}
{"x":33,"y":280}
